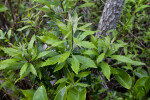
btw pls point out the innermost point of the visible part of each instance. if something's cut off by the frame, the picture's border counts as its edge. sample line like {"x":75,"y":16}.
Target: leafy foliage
{"x":50,"y":51}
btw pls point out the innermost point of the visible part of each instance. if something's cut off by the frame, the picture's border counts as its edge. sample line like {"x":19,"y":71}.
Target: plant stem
{"x":63,"y":9}
{"x":70,"y":75}
{"x":72,"y":38}
{"x":18,"y":6}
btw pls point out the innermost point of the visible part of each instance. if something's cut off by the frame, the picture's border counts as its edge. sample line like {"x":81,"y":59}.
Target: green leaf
{"x":76,"y":93}
{"x":139,"y":92}
{"x":3,"y":8}
{"x":61,"y":80}
{"x":147,"y":85}
{"x":11,"y":51}
{"x":7,"y":63}
{"x":141,"y":8}
{"x":89,"y":63}
{"x":9,"y":34}
{"x":57,"y":43}
{"x":23,"y":28}
{"x":126,"y":60}
{"x":128,"y":67}
{"x":33,"y":70}
{"x":75,"y":21}
{"x":77,"y":42}
{"x":59,"y":66}
{"x":94,"y":41}
{"x":61,"y":95}
{"x":100,"y":57}
{"x":63,"y":57}
{"x":59,"y":87}
{"x":75,"y":64}
{"x":3,"y":84}
{"x":141,"y":87}
{"x":123,"y":78}
{"x":87,"y":44}
{"x":28,"y":94}
{"x":90,"y":52}
{"x":42,"y":54}
{"x":48,"y":3}
{"x":85,"y":34}
{"x":23,"y":69}
{"x":106,"y":70}
{"x":34,"y":53}
{"x":113,"y":70}
{"x":30,"y":45}
{"x":51,"y":61}
{"x":83,"y":74}
{"x":141,"y":81}
{"x":49,"y":39}
{"x":86,"y":5}
{"x":40,"y":94}
{"x":82,"y":28}
{"x":62,"y":27}
{"x":45,"y":9}
{"x":82,"y":84}
{"x":67,"y":35}
{"x":51,"y":54}
{"x":114,"y":48}
{"x":101,"y":45}
{"x":140,"y":73}
{"x":2,"y":35}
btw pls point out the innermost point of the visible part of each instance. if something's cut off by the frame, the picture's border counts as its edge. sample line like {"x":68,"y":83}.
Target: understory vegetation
{"x":49,"y":51}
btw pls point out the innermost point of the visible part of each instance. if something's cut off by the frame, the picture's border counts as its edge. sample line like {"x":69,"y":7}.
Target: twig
{"x":18,"y":6}
{"x":103,"y":2}
{"x":14,"y":25}
{"x":138,"y":40}
{"x":72,"y":38}
{"x":63,"y":10}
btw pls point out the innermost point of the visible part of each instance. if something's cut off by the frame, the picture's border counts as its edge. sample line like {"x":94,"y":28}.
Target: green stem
{"x":70,"y":75}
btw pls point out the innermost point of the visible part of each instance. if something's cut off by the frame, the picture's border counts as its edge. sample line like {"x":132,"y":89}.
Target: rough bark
{"x":110,"y":16}
{"x":108,"y":21}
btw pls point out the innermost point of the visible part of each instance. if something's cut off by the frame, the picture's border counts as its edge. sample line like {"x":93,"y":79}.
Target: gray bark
{"x":110,"y":16}
{"x":108,"y":21}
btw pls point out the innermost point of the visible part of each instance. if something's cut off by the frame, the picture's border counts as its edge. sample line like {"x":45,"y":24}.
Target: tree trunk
{"x":108,"y":21}
{"x":110,"y":16}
